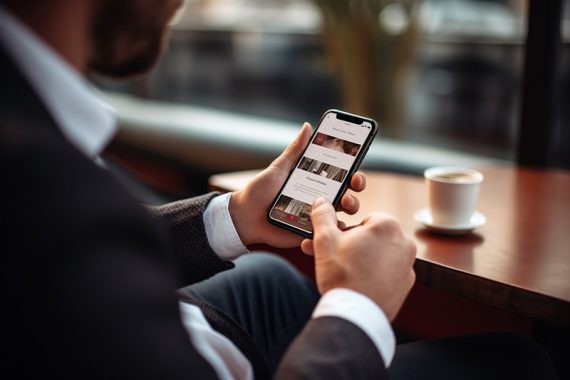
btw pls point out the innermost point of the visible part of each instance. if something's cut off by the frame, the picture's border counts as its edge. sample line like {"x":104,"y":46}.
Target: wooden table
{"x":520,"y":260}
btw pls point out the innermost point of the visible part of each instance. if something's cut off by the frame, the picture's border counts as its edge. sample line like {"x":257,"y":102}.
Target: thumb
{"x":325,"y":224}
{"x":291,"y":154}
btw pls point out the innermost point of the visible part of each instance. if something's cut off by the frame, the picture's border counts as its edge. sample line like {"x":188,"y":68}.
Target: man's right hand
{"x":374,"y":258}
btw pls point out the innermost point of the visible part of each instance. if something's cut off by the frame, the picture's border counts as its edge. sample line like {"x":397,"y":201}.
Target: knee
{"x":270,"y":269}
{"x":267,"y":265}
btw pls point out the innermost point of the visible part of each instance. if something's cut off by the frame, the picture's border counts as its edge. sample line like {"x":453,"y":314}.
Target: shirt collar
{"x":86,"y":121}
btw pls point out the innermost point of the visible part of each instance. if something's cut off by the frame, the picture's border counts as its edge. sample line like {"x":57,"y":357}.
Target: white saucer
{"x":423,"y":216}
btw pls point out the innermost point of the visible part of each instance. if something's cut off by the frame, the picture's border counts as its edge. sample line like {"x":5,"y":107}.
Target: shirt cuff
{"x":364,"y":313}
{"x":220,"y":230}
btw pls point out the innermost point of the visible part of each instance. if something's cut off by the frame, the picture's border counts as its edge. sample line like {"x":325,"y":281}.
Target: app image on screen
{"x":321,"y":171}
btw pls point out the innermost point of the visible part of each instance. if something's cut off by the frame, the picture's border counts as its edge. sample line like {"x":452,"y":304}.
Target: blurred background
{"x":442,"y":77}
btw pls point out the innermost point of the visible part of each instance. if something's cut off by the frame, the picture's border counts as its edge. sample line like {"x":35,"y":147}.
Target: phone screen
{"x":323,"y":170}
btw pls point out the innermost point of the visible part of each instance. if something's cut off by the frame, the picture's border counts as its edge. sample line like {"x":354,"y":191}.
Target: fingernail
{"x":319,"y":201}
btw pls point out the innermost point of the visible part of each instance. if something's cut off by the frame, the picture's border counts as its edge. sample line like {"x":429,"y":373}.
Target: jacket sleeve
{"x":332,"y":348}
{"x":194,"y":258}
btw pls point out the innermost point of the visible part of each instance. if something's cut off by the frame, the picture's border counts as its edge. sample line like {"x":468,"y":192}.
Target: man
{"x":87,"y":273}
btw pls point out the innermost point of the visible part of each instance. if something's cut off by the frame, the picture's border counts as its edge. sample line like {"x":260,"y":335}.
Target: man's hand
{"x":249,"y":207}
{"x":373,"y":258}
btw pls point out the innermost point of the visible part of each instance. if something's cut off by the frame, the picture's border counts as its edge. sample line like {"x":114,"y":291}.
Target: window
{"x":445,"y":73}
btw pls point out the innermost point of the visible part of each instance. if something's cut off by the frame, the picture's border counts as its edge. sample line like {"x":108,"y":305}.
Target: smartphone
{"x":336,"y":150}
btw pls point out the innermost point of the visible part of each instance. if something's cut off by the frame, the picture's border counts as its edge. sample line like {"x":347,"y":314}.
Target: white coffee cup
{"x":452,"y":194}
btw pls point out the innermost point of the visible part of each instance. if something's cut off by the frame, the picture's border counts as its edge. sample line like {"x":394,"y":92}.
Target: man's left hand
{"x":249,"y":207}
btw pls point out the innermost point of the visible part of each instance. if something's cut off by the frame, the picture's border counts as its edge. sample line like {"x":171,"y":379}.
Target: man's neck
{"x":67,"y":32}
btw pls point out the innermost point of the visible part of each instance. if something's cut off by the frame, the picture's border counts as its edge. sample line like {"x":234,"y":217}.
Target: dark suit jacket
{"x":88,"y":276}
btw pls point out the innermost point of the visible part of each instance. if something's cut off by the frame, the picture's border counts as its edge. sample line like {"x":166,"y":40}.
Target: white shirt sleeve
{"x":364,"y":313}
{"x":220,"y":229}
{"x":225,"y":358}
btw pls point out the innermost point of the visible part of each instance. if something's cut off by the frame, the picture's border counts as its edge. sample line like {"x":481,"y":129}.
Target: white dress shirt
{"x":88,"y":123}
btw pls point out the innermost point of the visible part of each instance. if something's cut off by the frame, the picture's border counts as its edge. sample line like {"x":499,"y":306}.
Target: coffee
{"x":456,"y":176}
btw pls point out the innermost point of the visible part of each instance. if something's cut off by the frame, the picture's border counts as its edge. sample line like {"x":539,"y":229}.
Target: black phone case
{"x":345,"y":183}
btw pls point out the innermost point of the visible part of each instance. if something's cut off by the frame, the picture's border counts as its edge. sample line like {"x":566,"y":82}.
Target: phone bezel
{"x":356,"y":164}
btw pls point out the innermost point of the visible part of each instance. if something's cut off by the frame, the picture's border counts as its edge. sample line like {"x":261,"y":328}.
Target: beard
{"x":129,"y":36}
{"x":122,"y":60}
